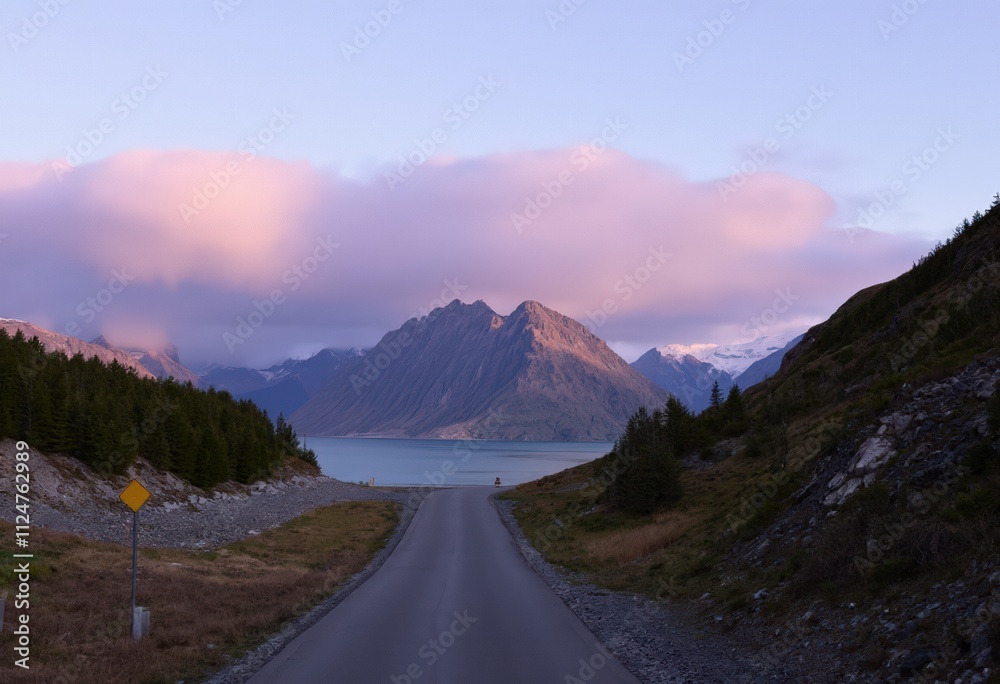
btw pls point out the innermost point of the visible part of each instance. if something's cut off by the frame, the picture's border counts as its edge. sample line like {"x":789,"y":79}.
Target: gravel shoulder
{"x":66,"y":496}
{"x":647,"y":636}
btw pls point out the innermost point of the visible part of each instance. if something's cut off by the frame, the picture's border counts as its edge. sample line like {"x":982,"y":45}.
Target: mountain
{"x":70,"y":346}
{"x":282,"y":388}
{"x":687,"y":378}
{"x":764,"y":368}
{"x":689,"y":371}
{"x":465,"y":371}
{"x":163,"y":364}
{"x":730,"y":358}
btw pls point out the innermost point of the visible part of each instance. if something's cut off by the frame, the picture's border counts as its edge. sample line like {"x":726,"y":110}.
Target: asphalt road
{"x":455,"y":603}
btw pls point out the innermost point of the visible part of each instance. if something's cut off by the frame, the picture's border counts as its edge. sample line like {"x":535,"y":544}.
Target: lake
{"x":446,"y":461}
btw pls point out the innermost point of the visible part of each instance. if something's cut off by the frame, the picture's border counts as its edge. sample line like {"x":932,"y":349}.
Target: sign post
{"x":134,"y":496}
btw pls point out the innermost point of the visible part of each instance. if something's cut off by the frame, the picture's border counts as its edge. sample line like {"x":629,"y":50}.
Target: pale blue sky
{"x":892,"y":87}
{"x":224,"y":76}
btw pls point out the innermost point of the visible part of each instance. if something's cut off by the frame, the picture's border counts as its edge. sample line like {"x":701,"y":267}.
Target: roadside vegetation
{"x":205,"y":607}
{"x":107,"y":416}
{"x":686,"y":505}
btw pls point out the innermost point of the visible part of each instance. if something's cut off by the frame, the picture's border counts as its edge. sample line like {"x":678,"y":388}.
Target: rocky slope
{"x":872,"y":513}
{"x":877,"y":525}
{"x":463,"y":370}
{"x":67,"y":496}
{"x":165,"y":363}
{"x":70,"y":346}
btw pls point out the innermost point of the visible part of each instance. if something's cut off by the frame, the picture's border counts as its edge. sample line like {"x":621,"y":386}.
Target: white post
{"x":137,"y":623}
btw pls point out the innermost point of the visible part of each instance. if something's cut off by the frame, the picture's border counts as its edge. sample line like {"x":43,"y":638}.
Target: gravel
{"x":66,"y":496}
{"x":645,"y":635}
{"x":210,"y":523}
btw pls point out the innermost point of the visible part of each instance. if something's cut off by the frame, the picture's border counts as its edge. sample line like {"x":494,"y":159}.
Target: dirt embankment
{"x":65,"y":495}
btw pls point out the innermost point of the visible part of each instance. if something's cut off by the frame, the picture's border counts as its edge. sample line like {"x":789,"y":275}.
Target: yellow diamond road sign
{"x":134,"y":496}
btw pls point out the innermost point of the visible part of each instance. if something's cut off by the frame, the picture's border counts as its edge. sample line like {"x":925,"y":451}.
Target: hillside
{"x":761,"y":369}
{"x":163,"y":364}
{"x":108,"y":416}
{"x":854,"y":525}
{"x":463,"y":370}
{"x":70,"y":346}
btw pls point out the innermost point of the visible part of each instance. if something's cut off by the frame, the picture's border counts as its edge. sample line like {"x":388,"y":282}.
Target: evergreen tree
{"x":716,"y":396}
{"x":107,"y":416}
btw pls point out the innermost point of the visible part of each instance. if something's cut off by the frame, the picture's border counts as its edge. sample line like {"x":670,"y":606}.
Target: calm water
{"x":448,"y":462}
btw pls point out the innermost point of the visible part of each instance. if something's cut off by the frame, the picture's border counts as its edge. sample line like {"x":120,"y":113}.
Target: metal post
{"x":135,"y":562}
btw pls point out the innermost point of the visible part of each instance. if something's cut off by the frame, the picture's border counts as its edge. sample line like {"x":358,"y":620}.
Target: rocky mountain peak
{"x":450,"y":372}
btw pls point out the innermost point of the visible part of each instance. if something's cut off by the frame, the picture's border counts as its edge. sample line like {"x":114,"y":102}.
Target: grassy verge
{"x":673,"y":553}
{"x":206,"y":607}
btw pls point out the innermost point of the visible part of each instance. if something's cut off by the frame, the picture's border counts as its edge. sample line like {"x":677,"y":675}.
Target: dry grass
{"x":206,"y":607}
{"x":630,"y":545}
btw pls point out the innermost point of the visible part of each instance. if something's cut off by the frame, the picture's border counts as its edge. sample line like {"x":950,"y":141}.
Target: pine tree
{"x":716,"y":397}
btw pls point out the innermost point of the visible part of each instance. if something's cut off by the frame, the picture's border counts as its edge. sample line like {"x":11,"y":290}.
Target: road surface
{"x":454,"y":603}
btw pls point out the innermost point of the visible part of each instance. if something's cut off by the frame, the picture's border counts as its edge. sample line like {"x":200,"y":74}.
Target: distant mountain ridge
{"x":284,"y":387}
{"x":689,"y":371}
{"x":165,"y":363}
{"x":465,"y":371}
{"x":70,"y":346}
{"x":687,"y":378}
{"x":729,"y":358}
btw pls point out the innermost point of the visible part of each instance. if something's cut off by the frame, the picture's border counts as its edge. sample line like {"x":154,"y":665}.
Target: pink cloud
{"x":566,"y":227}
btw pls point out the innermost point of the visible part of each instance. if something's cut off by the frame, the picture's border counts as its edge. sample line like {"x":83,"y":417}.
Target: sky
{"x":255,"y":181}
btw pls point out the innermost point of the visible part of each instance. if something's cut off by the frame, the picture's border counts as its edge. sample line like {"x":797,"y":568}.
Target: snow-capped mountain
{"x":729,"y":358}
{"x":163,"y":363}
{"x":687,"y":378}
{"x":688,"y":371}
